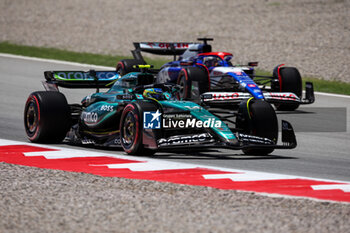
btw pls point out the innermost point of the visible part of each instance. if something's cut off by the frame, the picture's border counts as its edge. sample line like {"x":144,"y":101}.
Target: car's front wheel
{"x":193,"y":81}
{"x":131,"y":130}
{"x":258,"y":118}
{"x":289,"y":80}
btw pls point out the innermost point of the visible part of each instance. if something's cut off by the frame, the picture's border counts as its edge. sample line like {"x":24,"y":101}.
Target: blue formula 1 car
{"x":143,"y":117}
{"x":202,"y":73}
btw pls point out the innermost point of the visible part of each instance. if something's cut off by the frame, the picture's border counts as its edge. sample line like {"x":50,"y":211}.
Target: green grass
{"x":329,"y":86}
{"x":111,"y":60}
{"x":274,"y":4}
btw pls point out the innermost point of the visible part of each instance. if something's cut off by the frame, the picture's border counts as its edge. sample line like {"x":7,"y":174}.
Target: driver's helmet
{"x":211,"y":61}
{"x":153,"y":93}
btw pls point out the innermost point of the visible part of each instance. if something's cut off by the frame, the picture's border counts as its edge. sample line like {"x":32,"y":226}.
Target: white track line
{"x":112,"y":68}
{"x":251,"y":176}
{"x":332,"y":95}
{"x":56,"y":61}
{"x":343,"y":187}
{"x":151,"y":165}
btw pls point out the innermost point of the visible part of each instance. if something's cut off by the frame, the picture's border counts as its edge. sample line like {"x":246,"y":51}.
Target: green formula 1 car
{"x":143,"y":117}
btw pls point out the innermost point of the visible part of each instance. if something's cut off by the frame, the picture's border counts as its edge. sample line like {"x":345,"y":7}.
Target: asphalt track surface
{"x":323,"y":155}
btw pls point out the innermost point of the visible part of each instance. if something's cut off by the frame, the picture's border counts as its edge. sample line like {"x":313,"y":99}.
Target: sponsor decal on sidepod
{"x":152,"y":120}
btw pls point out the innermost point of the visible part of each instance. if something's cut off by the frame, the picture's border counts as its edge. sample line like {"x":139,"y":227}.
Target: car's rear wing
{"x":161,"y":48}
{"x":78,"y":79}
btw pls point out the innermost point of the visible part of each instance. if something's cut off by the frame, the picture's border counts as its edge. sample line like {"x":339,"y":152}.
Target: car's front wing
{"x":222,"y":98}
{"x":242,"y":141}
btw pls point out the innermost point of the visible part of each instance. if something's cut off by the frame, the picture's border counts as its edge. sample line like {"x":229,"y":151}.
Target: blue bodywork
{"x":169,"y":72}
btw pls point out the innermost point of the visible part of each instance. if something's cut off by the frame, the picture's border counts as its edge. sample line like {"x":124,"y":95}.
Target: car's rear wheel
{"x":289,"y":80}
{"x":127,"y":65}
{"x":258,"y":118}
{"x":193,"y":81}
{"x":46,"y":117}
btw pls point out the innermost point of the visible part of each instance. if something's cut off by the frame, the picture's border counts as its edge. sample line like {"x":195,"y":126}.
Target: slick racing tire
{"x":46,"y":117}
{"x":193,"y":81}
{"x":289,"y":80}
{"x":131,"y":130}
{"x":258,"y":118}
{"x":126,"y":66}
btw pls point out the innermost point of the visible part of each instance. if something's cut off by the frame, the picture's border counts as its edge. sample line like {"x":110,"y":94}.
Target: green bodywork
{"x":102,"y":107}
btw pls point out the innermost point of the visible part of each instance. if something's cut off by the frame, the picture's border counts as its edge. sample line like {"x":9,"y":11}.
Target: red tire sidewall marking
{"x":279,"y":76}
{"x":31,"y":98}
{"x":179,"y":80}
{"x":122,"y":65}
{"x":125,"y":112}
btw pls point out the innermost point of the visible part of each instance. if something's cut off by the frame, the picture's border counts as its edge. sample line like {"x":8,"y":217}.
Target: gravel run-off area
{"x":38,"y":200}
{"x":311,"y":35}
